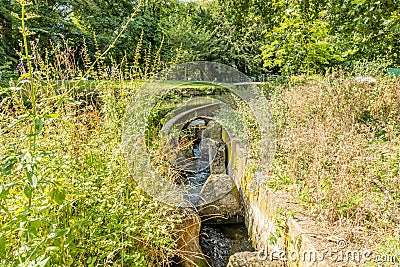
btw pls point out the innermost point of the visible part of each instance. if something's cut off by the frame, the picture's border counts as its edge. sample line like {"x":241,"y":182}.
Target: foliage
{"x":331,"y":30}
{"x":374,"y":68}
{"x":6,"y":72}
{"x":370,"y":27}
{"x":300,"y":46}
{"x":111,"y":15}
{"x":186,"y":29}
{"x":208,"y":33}
{"x":324,"y":33}
{"x":237,"y":45}
{"x":66,"y":198}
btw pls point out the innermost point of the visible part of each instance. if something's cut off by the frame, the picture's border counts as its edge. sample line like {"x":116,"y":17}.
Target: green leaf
{"x":28,"y":191}
{"x":58,"y":195}
{"x":34,"y":224}
{"x":39,"y":124}
{"x":8,"y":165}
{"x":3,"y":208}
{"x":31,"y":171}
{"x":23,"y":76}
{"x":2,"y":246}
{"x":51,"y":116}
{"x":62,"y":232}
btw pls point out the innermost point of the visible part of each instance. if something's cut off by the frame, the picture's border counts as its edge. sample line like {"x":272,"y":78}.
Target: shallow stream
{"x":219,"y":242}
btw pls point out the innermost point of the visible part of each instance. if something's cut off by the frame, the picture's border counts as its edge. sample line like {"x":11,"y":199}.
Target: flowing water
{"x":195,"y":181}
{"x":219,"y":242}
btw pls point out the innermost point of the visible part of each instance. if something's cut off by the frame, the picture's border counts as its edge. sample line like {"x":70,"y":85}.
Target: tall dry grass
{"x":338,"y":153}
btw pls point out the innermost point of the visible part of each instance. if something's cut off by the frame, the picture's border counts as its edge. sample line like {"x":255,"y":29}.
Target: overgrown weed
{"x":338,"y":154}
{"x":66,"y":195}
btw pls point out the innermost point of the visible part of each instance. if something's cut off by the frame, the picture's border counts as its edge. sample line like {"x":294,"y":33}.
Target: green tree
{"x":297,"y":45}
{"x":238,"y":46}
{"x":370,"y":27}
{"x":6,"y":33}
{"x":186,"y":30}
{"x":209,"y":32}
{"x":110,"y":15}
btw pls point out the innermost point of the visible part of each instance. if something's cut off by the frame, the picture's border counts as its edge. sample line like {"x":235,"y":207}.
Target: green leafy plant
{"x":66,"y":197}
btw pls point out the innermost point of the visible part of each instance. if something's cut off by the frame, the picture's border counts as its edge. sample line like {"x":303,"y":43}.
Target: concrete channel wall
{"x":286,"y":240}
{"x":277,"y":231}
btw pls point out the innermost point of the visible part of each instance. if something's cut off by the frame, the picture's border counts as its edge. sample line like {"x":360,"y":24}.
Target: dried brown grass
{"x":338,"y":153}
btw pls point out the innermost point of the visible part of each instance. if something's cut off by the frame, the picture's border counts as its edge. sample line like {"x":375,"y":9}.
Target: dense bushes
{"x":72,"y":202}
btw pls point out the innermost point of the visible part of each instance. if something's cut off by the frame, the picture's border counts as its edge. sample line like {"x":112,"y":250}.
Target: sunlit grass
{"x":338,"y":154}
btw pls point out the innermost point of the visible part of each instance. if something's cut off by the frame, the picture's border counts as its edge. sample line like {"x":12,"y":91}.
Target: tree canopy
{"x":255,"y":36}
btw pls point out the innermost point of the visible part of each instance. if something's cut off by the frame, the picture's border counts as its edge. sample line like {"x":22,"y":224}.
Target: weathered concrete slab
{"x":218,"y":161}
{"x":213,"y":131}
{"x":188,"y":241}
{"x":219,"y":200}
